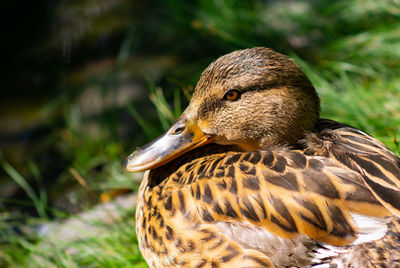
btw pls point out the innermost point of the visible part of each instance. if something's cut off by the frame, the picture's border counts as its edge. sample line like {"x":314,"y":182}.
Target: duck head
{"x":252,"y":98}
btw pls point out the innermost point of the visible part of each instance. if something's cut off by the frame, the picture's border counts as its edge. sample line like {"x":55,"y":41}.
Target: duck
{"x":250,"y":176}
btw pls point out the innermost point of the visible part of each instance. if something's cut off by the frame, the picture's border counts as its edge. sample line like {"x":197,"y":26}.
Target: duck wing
{"x":378,"y":166}
{"x":285,"y":192}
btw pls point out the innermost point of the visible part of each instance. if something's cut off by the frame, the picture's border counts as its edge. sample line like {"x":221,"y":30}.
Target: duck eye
{"x":232,"y":95}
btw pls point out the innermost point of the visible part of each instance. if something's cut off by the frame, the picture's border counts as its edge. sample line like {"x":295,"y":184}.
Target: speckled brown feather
{"x":271,"y":102}
{"x":301,"y":186}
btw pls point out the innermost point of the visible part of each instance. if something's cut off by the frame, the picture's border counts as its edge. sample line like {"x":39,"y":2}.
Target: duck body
{"x":242,"y":195}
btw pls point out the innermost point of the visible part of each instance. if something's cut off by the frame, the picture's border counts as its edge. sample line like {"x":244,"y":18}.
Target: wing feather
{"x":283,"y":191}
{"x":378,"y":166}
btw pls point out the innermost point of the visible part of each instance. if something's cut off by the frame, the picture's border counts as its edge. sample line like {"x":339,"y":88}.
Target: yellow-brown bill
{"x":183,"y":136}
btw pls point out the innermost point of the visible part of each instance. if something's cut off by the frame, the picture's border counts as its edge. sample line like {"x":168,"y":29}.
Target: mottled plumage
{"x":277,"y":187}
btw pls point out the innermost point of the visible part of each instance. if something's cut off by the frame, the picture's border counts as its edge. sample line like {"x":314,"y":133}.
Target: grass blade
{"x":22,"y":182}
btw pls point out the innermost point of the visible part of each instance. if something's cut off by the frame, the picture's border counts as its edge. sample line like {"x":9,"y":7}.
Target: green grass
{"x":97,"y":244}
{"x":38,"y":200}
{"x":349,"y":49}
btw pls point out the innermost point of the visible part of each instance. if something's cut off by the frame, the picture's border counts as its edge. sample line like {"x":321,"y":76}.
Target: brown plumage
{"x":249,"y":176}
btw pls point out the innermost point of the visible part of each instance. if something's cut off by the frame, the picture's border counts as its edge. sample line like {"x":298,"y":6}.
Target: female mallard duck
{"x":249,"y":176}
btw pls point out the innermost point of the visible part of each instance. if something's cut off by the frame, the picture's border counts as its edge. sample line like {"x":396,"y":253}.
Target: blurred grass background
{"x":86,"y":82}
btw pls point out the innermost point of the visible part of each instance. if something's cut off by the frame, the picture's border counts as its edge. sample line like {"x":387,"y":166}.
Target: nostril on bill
{"x":178,"y":130}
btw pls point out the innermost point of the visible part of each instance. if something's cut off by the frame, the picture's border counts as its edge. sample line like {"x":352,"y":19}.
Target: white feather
{"x":370,"y":228}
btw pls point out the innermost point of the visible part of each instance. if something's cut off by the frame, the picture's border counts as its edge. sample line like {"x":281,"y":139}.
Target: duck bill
{"x":182,"y":137}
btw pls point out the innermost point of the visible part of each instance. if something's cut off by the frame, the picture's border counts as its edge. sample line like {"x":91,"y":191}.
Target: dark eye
{"x":232,"y":95}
